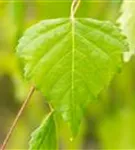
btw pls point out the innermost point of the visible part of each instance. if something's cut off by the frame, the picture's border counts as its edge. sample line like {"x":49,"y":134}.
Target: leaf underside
{"x":44,"y":137}
{"x":71,"y":61}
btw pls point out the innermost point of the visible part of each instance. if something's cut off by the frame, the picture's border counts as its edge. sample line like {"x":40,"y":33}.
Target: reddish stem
{"x":32,"y":89}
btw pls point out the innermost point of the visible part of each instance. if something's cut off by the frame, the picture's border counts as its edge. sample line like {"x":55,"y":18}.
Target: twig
{"x":32,"y":89}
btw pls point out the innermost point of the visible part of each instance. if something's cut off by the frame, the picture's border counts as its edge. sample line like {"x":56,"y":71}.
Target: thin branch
{"x":74,"y":7}
{"x":32,"y":89}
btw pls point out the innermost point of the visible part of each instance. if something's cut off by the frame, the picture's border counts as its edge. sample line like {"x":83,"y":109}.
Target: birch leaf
{"x":127,"y":23}
{"x":71,"y":61}
{"x":44,"y":137}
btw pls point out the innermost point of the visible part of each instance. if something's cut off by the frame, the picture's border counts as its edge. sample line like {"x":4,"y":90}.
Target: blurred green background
{"x":109,"y":122}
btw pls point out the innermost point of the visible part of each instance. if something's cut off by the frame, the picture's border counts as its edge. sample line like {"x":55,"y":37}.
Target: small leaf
{"x":127,"y":23}
{"x":44,"y":137}
{"x":71,"y":61}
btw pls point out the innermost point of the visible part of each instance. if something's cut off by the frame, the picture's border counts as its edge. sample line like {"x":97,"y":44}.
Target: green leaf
{"x":44,"y":137}
{"x":71,"y":61}
{"x":127,"y":22}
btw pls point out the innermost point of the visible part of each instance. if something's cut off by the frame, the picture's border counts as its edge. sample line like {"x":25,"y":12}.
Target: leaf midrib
{"x":73,"y":69}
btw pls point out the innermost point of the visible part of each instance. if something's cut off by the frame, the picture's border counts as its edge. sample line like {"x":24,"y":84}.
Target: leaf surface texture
{"x":71,"y":61}
{"x":44,"y":137}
